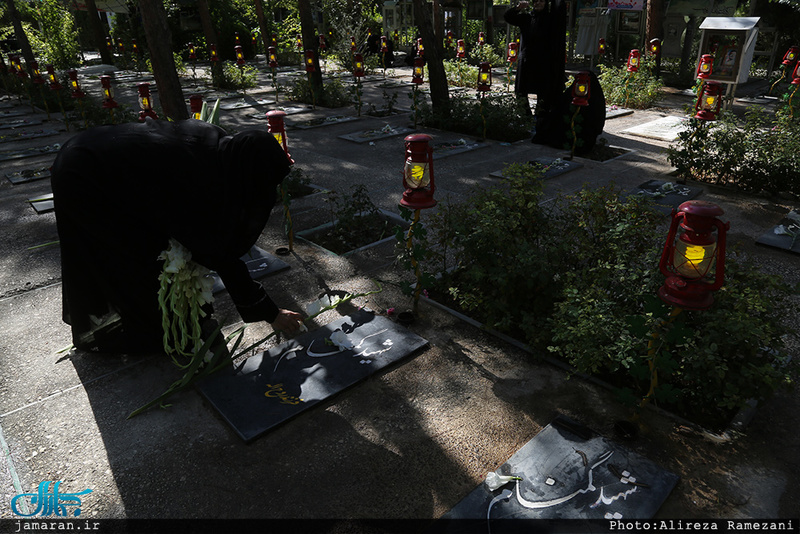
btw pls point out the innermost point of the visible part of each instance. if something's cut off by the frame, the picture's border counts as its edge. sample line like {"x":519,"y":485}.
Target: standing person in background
{"x":542,"y":55}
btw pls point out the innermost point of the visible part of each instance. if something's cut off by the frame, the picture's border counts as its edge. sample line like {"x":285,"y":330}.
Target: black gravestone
{"x":552,"y":167}
{"x":667,"y":196}
{"x":272,"y":387}
{"x":568,"y":472}
{"x":28,"y":175}
{"x":42,"y":203}
{"x":259,"y":263}
{"x":785,"y":236}
{"x":29,"y":152}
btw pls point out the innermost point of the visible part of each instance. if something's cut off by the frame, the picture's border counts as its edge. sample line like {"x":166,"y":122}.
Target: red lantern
{"x":299,"y":42}
{"x":310,"y":61}
{"x":580,"y":89}
{"x":236,"y":38}
{"x":109,"y":44}
{"x":655,"y":47}
{"x":108,"y":93}
{"x":484,"y":77}
{"x":135,"y":47}
{"x":791,"y":56}
{"x":419,"y":69}
{"x":418,"y":173}
{"x":796,"y":74}
{"x":196,"y":106}
{"x":74,"y":85}
{"x":420,"y":48}
{"x":53,"y":78}
{"x":384,"y":44}
{"x":481,"y":38}
{"x":273,"y":57}
{"x":633,"y":61}
{"x":705,"y":67}
{"x":145,"y":102}
{"x":277,"y":127}
{"x":694,"y":263}
{"x":450,"y":37}
{"x":239,"y":55}
{"x":253,"y":41}
{"x":461,"y":49}
{"x":274,"y":40}
{"x":513,"y":51}
{"x":214,"y":56}
{"x":36,"y":74}
{"x":323,"y":44}
{"x":17,"y":62}
{"x":353,"y":46}
{"x":358,"y":66}
{"x":601,"y":46}
{"x":396,"y":36}
{"x":120,"y":46}
{"x":708,"y":102}
{"x":192,"y":52}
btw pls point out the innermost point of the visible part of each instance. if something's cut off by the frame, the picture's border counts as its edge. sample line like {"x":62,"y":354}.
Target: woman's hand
{"x":288,"y":322}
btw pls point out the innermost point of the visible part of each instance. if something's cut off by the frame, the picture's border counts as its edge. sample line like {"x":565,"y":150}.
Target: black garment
{"x":121,"y":192}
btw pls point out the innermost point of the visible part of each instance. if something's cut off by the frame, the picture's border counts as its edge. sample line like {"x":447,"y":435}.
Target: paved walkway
{"x":408,"y":443}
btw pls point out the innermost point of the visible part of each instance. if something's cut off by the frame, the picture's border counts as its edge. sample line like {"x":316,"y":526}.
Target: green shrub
{"x":579,"y":276}
{"x":639,"y":90}
{"x":459,"y":73}
{"x":497,"y":116}
{"x":757,"y":154}
{"x":334,"y":95}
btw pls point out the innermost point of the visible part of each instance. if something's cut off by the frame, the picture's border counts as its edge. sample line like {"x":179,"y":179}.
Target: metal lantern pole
{"x":77,"y":93}
{"x":108,"y":96}
{"x":37,"y":79}
{"x":56,"y":86}
{"x":277,"y":127}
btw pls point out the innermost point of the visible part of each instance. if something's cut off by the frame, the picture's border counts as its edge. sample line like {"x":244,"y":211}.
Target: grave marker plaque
{"x":272,"y":387}
{"x":552,"y":167}
{"x":259,"y":263}
{"x":569,"y":472}
{"x":665,"y":195}
{"x":784,"y":236}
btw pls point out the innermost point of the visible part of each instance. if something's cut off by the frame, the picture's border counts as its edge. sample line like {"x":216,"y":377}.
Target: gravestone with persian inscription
{"x":567,"y":471}
{"x":259,"y":263}
{"x":275,"y":386}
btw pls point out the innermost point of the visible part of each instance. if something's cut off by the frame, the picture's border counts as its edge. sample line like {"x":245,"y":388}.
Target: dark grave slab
{"x":442,"y":150}
{"x":259,"y":263}
{"x":665,"y":195}
{"x":275,"y":386}
{"x":784,"y":236}
{"x":568,"y":472}
{"x":19,"y":123}
{"x":612,"y":112}
{"x":42,"y":203}
{"x":374,"y":135}
{"x":289,"y":110}
{"x":320,"y":121}
{"x":14,"y":113}
{"x":552,"y":167}
{"x":29,"y":152}
{"x":395,"y":84}
{"x":21,"y":136}
{"x":241,"y":103}
{"x":28,"y":175}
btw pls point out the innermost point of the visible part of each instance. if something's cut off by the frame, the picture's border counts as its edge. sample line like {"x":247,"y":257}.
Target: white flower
{"x":339,"y":339}
{"x":176,"y":257}
{"x":782,"y":230}
{"x":495,"y":481}
{"x":318,"y":305}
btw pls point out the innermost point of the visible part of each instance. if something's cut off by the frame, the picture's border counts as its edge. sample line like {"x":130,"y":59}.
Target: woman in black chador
{"x":541,"y":59}
{"x":121,"y":192}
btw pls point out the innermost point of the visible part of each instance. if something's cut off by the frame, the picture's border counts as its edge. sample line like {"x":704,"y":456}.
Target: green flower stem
{"x":414,"y":262}
{"x":198,"y":368}
{"x":651,"y":357}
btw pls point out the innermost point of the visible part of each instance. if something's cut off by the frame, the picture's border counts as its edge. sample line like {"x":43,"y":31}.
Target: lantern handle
{"x":669,"y":246}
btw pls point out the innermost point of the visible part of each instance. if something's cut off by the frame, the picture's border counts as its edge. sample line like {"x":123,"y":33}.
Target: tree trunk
{"x":98,"y":33}
{"x":311,"y":42}
{"x":159,"y":42}
{"x":440,"y":97}
{"x":211,"y":38}
{"x":19,"y":33}
{"x":266,"y":34}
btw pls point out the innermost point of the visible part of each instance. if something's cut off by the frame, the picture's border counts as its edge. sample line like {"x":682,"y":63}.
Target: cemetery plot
{"x":784,"y":236}
{"x":289,"y":110}
{"x":667,"y":196}
{"x":663,"y":129}
{"x":366,"y":136}
{"x":42,"y":203}
{"x":451,"y":148}
{"x":21,"y":136}
{"x":29,"y":152}
{"x":28,"y":175}
{"x":19,"y":123}
{"x":320,"y":121}
{"x":273,"y":387}
{"x":552,"y":167}
{"x":568,"y":472}
{"x":259,"y":263}
{"x":612,"y":112}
